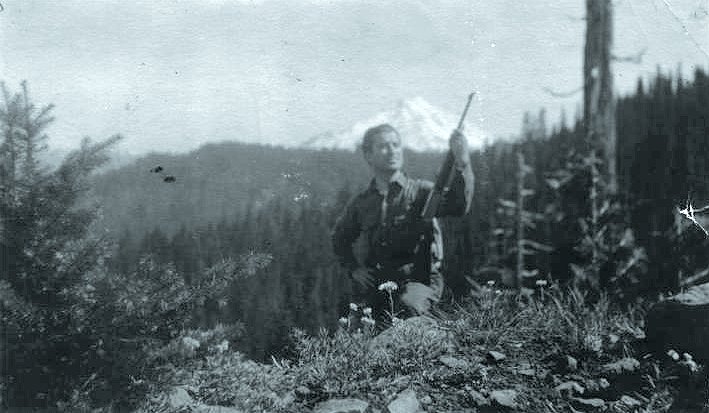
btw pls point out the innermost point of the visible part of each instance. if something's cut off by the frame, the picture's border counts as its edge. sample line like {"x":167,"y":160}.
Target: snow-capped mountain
{"x":423,"y":127}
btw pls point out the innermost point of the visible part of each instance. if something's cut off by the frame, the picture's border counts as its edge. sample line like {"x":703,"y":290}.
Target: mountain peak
{"x":423,"y":128}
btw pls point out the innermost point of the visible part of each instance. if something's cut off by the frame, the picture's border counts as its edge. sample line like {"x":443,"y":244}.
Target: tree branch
{"x":562,"y":94}
{"x":636,"y":58}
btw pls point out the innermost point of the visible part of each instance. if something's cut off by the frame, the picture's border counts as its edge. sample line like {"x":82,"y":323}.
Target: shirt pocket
{"x":405,"y":233}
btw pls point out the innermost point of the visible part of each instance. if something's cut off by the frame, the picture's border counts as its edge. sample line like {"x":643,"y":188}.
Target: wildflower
{"x":353,"y":307}
{"x":498,"y":292}
{"x":692,"y":365}
{"x":490,"y":283}
{"x":368,"y":320}
{"x":190,"y":343}
{"x":367,"y":311}
{"x":388,"y":286}
{"x":343,"y":321}
{"x":541,"y":283}
{"x":222,"y":347}
{"x":687,"y":360}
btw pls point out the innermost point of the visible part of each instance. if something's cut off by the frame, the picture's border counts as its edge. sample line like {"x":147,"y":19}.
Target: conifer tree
{"x":47,"y":247}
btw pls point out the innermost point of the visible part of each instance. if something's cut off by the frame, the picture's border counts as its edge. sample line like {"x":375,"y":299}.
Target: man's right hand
{"x":363,"y":277}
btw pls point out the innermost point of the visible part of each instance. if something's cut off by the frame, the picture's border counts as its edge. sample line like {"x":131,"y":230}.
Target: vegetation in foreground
{"x":546,"y":352}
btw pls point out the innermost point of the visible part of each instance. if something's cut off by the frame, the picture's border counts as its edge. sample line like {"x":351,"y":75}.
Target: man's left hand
{"x":459,"y":147}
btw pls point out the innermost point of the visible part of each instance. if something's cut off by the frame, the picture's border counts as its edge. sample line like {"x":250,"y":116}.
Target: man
{"x":381,"y":236}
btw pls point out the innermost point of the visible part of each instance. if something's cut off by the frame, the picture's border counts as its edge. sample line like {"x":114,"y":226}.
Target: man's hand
{"x":363,"y":277}
{"x":418,"y":297}
{"x":459,"y":147}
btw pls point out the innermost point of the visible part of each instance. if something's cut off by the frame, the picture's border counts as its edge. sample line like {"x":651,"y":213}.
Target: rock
{"x":215,"y":409}
{"x":625,"y":365}
{"x":570,"y":387}
{"x":527,"y":372}
{"x":179,"y":397}
{"x":663,"y":330}
{"x":342,"y":406}
{"x":505,"y":398}
{"x":525,"y":368}
{"x":454,"y":363}
{"x":302,"y":391}
{"x":478,"y":398}
{"x":495,"y":356}
{"x":392,"y":384}
{"x":571,"y":363}
{"x":630,"y":401}
{"x":592,"y":403}
{"x":288,"y":399}
{"x":405,"y":402}
{"x":597,"y":385}
{"x":425,"y":327}
{"x":180,"y":400}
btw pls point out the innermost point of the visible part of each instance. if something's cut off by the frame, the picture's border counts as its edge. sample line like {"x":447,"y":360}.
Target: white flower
{"x":343,"y":320}
{"x":692,"y":365}
{"x":368,"y":320}
{"x":687,"y":356}
{"x":354,"y":307}
{"x":541,"y":283}
{"x":388,"y":286}
{"x":190,"y":343}
{"x":367,"y":311}
{"x":673,"y":354}
{"x":498,"y":292}
{"x":222,"y":347}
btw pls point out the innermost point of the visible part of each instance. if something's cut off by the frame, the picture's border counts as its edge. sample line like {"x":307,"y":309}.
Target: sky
{"x":172,"y":75}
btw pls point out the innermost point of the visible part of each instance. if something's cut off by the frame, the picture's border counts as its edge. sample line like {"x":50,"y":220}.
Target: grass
{"x":556,"y":343}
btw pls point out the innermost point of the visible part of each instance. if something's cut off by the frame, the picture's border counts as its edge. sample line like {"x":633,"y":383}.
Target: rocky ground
{"x":553,"y":351}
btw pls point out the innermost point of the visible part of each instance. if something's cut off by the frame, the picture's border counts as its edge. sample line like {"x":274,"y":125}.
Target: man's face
{"x":386,"y":155}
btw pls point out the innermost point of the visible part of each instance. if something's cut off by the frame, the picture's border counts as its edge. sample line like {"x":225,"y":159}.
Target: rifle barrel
{"x":445,"y":178}
{"x":465,"y":111}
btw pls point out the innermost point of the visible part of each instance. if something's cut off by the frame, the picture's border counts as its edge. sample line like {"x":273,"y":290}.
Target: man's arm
{"x":458,"y":199}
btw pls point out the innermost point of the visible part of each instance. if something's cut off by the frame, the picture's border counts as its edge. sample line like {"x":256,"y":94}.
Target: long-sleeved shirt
{"x":383,"y":232}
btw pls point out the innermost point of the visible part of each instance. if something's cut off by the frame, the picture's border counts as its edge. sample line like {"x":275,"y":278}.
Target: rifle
{"x":445,"y":176}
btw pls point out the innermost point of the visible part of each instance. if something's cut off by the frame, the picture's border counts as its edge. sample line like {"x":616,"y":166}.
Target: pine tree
{"x":47,"y":247}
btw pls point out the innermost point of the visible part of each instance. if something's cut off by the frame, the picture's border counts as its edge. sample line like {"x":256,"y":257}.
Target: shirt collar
{"x":398,"y":178}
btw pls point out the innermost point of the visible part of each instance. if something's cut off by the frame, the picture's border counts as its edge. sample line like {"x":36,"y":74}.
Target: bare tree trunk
{"x":520,"y":218}
{"x":599,"y":103}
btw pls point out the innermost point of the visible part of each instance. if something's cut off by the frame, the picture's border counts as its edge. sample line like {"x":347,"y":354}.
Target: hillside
{"x":222,"y":180}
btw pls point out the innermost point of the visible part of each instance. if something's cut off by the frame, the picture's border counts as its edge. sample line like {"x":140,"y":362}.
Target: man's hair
{"x":371,"y":133}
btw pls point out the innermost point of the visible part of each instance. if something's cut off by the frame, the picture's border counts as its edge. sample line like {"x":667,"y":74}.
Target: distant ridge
{"x":423,"y":127}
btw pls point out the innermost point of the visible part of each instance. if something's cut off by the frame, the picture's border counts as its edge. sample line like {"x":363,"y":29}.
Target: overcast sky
{"x":171,"y":75}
